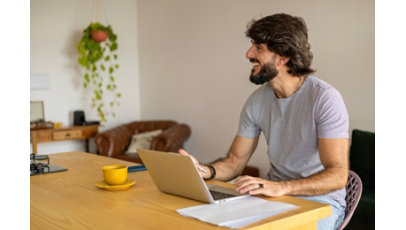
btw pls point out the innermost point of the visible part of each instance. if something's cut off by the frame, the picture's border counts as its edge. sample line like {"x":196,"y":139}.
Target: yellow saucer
{"x":102,"y":184}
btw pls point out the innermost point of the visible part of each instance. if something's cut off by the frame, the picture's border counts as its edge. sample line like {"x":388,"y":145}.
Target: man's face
{"x":263,"y":63}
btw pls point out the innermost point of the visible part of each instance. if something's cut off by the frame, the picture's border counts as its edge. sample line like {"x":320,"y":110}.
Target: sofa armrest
{"x":171,"y":139}
{"x":114,"y":141}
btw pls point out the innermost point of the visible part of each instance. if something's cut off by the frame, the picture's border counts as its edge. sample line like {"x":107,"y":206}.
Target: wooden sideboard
{"x":63,"y":134}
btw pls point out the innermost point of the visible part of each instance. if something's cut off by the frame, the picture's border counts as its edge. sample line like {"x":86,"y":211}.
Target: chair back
{"x":354,"y":191}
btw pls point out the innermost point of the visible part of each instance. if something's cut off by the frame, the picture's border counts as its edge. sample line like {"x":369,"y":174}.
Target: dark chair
{"x":354,"y":191}
{"x":362,"y":161}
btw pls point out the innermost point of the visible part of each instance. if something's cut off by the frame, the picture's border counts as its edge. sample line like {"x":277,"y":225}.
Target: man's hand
{"x":252,"y":186}
{"x":231,"y":166}
{"x":203,"y":174}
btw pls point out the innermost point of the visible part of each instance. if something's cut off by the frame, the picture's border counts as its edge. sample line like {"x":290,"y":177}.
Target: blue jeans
{"x":337,"y":216}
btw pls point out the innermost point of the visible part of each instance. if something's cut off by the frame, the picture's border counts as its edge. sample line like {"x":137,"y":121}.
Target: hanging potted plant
{"x":97,"y":54}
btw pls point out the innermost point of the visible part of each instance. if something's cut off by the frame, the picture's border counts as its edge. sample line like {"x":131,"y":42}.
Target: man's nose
{"x":250,"y":53}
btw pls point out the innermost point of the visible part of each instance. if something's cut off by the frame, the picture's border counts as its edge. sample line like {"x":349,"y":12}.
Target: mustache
{"x":254,"y":60}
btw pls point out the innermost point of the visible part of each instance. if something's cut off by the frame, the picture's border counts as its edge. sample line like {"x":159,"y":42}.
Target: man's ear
{"x":282,"y":60}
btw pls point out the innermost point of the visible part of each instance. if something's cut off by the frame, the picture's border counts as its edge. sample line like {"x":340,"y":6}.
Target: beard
{"x":267,"y":73}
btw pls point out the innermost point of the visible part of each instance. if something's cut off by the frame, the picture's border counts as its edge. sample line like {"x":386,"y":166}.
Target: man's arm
{"x":240,"y":152}
{"x":333,"y":156}
{"x":232,"y":165}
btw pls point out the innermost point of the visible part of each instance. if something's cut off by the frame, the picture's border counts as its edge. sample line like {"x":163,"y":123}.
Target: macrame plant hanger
{"x":98,"y":14}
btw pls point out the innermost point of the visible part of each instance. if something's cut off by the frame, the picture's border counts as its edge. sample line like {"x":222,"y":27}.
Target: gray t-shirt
{"x":292,"y":125}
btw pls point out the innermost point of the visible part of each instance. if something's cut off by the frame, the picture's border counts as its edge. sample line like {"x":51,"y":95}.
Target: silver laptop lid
{"x":175,"y":174}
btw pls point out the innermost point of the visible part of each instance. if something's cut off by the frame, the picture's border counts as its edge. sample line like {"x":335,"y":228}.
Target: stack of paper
{"x":236,"y":213}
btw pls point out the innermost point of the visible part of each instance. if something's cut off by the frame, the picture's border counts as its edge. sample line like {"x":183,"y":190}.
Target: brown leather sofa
{"x":114,"y":142}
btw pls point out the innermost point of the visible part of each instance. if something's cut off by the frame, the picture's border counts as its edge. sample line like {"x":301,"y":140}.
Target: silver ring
{"x":261,"y":185}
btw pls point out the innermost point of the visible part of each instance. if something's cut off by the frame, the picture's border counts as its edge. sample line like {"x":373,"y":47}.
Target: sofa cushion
{"x":142,"y":141}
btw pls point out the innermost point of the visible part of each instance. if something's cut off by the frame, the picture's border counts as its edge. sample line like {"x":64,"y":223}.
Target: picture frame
{"x":37,"y":111}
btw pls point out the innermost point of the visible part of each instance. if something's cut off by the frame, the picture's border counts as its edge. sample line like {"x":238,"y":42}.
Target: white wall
{"x":193,"y":67}
{"x":56,"y":27}
{"x":191,"y":64}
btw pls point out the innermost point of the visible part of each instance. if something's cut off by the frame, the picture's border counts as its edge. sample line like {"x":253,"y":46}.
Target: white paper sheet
{"x":236,"y":213}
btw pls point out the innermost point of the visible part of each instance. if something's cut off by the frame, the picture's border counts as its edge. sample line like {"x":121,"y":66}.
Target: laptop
{"x":177,"y":175}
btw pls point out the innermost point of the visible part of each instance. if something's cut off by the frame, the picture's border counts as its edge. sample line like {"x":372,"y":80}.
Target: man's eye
{"x":259,"y":47}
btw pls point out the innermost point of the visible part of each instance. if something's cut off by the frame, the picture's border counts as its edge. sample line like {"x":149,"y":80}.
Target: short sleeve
{"x":331,"y":115}
{"x":247,"y":126}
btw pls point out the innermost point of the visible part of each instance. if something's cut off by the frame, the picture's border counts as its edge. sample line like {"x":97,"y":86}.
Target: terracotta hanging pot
{"x":99,"y":36}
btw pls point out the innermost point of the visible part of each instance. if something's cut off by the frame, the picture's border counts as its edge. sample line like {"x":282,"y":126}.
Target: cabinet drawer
{"x":66,"y":135}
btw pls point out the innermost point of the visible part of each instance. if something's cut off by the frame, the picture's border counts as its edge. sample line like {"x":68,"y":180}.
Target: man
{"x":304,"y":121}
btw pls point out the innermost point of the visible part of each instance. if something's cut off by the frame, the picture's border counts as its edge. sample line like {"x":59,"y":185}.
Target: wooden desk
{"x":63,"y":134}
{"x":70,"y":200}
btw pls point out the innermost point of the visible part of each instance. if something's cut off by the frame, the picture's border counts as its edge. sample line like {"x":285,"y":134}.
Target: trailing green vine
{"x":100,"y":62}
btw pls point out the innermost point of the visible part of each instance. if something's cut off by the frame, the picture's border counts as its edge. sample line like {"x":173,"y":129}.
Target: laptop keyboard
{"x":219,"y":195}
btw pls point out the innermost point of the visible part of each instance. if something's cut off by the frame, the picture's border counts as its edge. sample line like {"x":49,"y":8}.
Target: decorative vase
{"x":99,"y":36}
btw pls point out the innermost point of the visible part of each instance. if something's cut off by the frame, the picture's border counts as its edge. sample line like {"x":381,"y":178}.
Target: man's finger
{"x":183,"y":152}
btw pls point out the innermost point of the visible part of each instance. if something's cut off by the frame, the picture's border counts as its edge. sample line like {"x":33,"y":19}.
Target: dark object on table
{"x":80,"y":120}
{"x":37,"y":166}
{"x":136,"y":168}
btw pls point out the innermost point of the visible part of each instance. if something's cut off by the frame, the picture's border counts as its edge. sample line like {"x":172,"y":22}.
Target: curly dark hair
{"x":287,"y":36}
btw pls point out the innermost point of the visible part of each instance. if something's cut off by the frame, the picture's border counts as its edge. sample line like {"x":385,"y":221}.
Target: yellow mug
{"x":115,"y":174}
